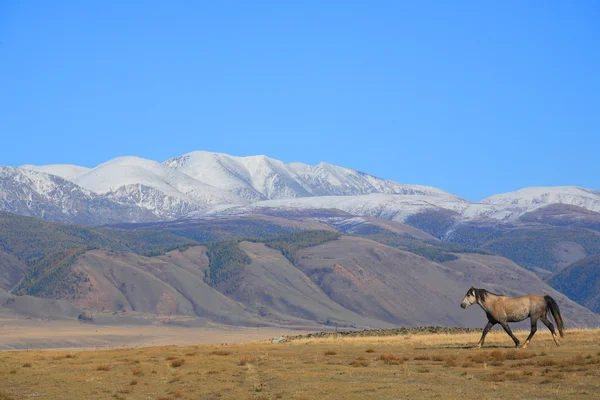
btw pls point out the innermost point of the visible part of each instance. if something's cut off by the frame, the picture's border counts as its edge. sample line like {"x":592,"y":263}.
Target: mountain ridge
{"x":201,"y":184}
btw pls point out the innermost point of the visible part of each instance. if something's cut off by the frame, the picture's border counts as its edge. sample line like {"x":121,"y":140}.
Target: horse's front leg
{"x":487,"y":328}
{"x":507,"y":329}
{"x":533,"y":331}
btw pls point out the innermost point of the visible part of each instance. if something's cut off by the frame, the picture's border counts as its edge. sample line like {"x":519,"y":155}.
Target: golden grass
{"x":426,"y":366}
{"x":244,"y":360}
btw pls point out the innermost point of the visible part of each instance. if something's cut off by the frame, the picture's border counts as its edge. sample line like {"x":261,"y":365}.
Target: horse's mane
{"x":481,"y":294}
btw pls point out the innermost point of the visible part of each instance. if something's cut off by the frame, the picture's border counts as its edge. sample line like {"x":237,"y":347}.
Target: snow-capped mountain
{"x":201,"y":184}
{"x":262,"y":178}
{"x":503,"y":207}
{"x":534,"y":197}
{"x":151,"y":185}
{"x":50,"y":197}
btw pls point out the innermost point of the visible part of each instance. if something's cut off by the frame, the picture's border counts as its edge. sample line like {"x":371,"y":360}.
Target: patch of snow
{"x":65,"y":171}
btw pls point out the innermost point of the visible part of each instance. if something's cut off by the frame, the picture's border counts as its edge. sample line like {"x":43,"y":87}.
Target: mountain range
{"x":209,"y":237}
{"x":205,"y":184}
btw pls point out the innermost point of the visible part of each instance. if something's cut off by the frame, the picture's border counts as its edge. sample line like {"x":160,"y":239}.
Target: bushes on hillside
{"x":290,"y":244}
{"x":226,"y":259}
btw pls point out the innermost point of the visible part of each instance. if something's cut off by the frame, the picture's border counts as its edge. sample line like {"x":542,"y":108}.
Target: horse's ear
{"x":472,"y":287}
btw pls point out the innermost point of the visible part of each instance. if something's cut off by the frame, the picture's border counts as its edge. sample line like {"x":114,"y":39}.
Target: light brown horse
{"x":502,"y":310}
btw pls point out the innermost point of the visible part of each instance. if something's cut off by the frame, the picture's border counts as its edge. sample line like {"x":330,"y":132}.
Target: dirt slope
{"x":273,"y":287}
{"x":169,"y":284}
{"x":400,"y":287}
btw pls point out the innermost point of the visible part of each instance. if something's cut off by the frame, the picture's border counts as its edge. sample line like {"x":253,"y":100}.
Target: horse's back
{"x":519,"y":308}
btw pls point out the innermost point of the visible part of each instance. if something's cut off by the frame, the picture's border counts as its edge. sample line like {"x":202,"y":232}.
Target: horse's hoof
{"x":524,"y":346}
{"x":477,"y":347}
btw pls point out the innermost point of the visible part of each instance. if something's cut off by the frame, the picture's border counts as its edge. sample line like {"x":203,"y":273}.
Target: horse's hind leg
{"x":513,"y":337}
{"x":547,"y":322}
{"x":533,"y":331}
{"x":487,"y":328}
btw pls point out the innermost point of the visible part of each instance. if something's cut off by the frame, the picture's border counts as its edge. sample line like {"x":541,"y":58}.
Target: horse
{"x":502,"y":310}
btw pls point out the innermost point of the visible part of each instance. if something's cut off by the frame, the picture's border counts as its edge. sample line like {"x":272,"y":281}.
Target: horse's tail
{"x":553,"y":308}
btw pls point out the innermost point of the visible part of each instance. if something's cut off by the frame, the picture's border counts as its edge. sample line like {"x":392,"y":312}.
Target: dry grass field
{"x":396,"y":367}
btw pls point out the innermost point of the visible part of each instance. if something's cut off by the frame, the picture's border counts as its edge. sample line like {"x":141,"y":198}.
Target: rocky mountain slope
{"x":50,"y":197}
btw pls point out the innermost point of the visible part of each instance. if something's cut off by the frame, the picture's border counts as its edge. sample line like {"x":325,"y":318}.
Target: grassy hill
{"x":564,"y":215}
{"x":537,"y":247}
{"x":39,"y":250}
{"x":30,"y":238}
{"x":580,"y":281}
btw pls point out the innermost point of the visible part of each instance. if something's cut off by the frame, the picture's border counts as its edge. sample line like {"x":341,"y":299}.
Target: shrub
{"x":391,"y":359}
{"x":359,"y":362}
{"x":548,"y":362}
{"x":220,"y":353}
{"x":103,"y":367}
{"x":518,"y":355}
{"x":450,"y":363}
{"x":177,"y":363}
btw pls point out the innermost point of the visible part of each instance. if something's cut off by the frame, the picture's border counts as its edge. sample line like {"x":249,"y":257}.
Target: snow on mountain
{"x":386,"y":206}
{"x":262,"y":178}
{"x":65,"y":171}
{"x":201,"y":184}
{"x":41,"y":195}
{"x":396,"y":207}
{"x":151,"y":185}
{"x":535,"y":197}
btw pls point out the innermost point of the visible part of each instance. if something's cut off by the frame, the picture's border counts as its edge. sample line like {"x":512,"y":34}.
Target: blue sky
{"x":473,"y":97}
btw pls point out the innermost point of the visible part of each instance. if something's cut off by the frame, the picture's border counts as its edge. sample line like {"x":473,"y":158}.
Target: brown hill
{"x":386,"y":274}
{"x":272,"y":287}
{"x":171,"y":284}
{"x":375,"y":280}
{"x":347,"y":282}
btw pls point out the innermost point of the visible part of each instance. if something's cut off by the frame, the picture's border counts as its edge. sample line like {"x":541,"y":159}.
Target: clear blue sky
{"x":473,"y":97}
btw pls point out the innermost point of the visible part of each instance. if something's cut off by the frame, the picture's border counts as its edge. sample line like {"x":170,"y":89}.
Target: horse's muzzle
{"x":463,"y":306}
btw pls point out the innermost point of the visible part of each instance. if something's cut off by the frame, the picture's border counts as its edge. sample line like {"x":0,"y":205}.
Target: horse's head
{"x":469,"y":298}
